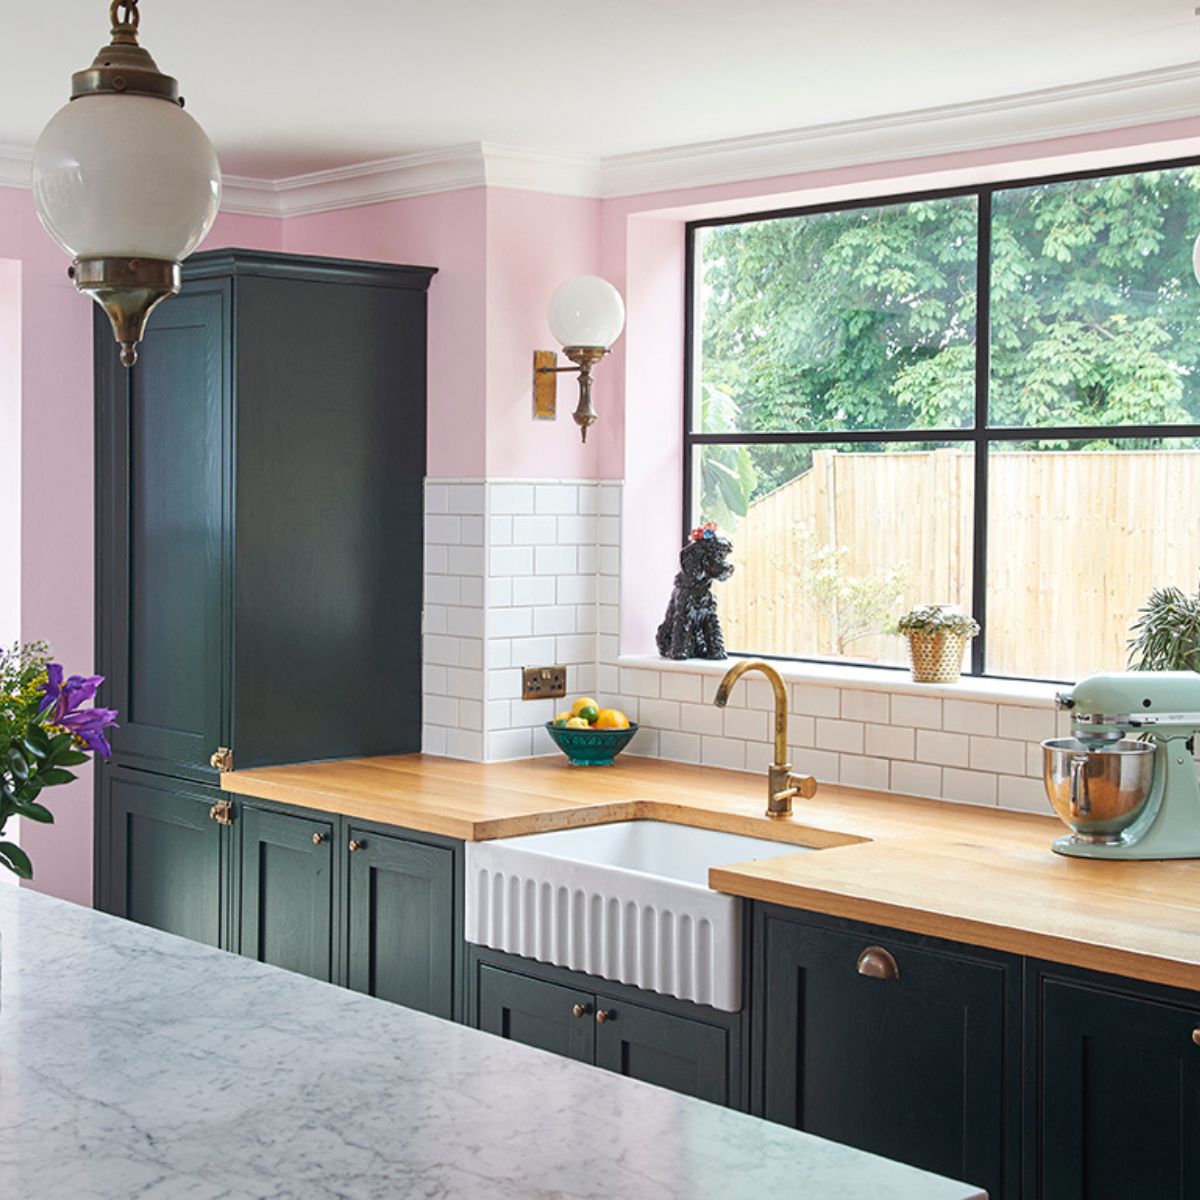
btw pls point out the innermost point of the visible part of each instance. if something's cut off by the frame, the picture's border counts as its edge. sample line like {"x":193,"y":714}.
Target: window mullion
{"x":983,"y":347}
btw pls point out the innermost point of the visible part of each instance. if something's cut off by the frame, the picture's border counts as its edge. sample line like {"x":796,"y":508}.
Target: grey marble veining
{"x":135,"y":1064}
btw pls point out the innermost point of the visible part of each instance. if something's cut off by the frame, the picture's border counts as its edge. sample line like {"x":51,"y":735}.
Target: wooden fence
{"x":1076,"y":542}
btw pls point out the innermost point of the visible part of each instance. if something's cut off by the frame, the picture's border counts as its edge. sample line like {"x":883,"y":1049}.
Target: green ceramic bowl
{"x":590,"y":747}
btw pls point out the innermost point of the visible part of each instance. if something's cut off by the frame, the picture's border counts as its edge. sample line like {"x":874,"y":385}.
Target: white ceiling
{"x":291,"y":86}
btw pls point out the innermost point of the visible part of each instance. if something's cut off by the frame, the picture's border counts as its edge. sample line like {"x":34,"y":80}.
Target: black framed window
{"x":987,"y":397}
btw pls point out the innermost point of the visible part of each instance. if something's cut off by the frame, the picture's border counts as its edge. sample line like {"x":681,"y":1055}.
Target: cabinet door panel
{"x":164,"y":855}
{"x":163,"y":436}
{"x":401,"y":922}
{"x":672,"y":1051}
{"x":536,"y":1013}
{"x":287,"y":891}
{"x":912,"y":1068}
{"x":1119,"y":1103}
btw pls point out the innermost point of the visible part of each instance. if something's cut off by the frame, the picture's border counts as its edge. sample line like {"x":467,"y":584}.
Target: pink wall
{"x":447,"y":231}
{"x":10,"y":450}
{"x":534,"y":243}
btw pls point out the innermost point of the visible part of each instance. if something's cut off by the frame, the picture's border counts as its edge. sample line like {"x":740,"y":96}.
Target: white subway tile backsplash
{"x":916,"y":779}
{"x":843,"y":736}
{"x":436,"y":560}
{"x":700,"y":718}
{"x":586,"y":618}
{"x":576,"y":589}
{"x":969,"y":716}
{"x":509,"y":743}
{"x":433,"y":740}
{"x":639,"y":683}
{"x":924,"y":712}
{"x":747,"y":723}
{"x":435,"y":618}
{"x":465,"y":683}
{"x":498,"y":591}
{"x":441,"y":650}
{"x":510,"y":622}
{"x":1028,"y":795}
{"x":663,"y":714}
{"x":510,"y":560}
{"x":865,"y":706}
{"x":555,"y":620}
{"x":464,"y":560}
{"x":555,"y":498}
{"x":464,"y":743}
{"x":500,"y":530}
{"x":441,"y":710}
{"x":465,"y":622}
{"x":802,"y":730}
{"x":680,"y":687}
{"x":999,"y":755}
{"x":511,"y":497}
{"x":498,"y":653}
{"x":441,"y":589}
{"x":577,"y":648}
{"x":1027,"y":724}
{"x":470,"y":714}
{"x":815,"y":700}
{"x":968,"y":787}
{"x":555,"y":560}
{"x":679,"y":747}
{"x":855,"y":770}
{"x":608,"y":531}
{"x":823,"y":764}
{"x":465,"y":498}
{"x":533,"y":589}
{"x":503,"y":685}
{"x":944,"y":749}
{"x":471,"y":533}
{"x":723,"y":752}
{"x":437,"y":498}
{"x":576,"y":531}
{"x":890,"y":741}
{"x":442,"y":530}
{"x":470,"y":653}
{"x":608,"y":678}
{"x":533,"y":652}
{"x":534,"y":531}
{"x":610,"y":499}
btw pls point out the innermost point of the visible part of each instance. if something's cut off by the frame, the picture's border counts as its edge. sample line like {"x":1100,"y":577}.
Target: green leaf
{"x":71,"y":758}
{"x":18,"y":764}
{"x":37,"y":742}
{"x":16,"y":860}
{"x":35,"y":812}
{"x":62,"y":741}
{"x":55,"y":776}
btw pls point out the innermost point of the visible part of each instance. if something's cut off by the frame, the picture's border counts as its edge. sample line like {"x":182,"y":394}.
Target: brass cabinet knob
{"x":356,"y":845}
{"x":1196,"y":1036}
{"x":581,"y":1010}
{"x":221,"y":759}
{"x":876,"y":963}
{"x":603,"y":1015}
{"x":318,"y":838}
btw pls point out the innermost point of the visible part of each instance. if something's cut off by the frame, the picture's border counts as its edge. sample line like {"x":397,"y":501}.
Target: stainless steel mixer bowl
{"x":1098,"y":788}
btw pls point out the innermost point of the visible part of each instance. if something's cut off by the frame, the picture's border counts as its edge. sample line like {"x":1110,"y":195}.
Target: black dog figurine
{"x":691,"y":628}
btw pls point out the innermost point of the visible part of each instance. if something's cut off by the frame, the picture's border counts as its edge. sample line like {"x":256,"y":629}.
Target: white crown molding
{"x":1096,"y":106}
{"x":1100,"y":105}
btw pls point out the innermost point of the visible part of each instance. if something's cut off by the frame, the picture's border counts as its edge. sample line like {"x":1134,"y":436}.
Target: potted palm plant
{"x":1166,"y":635}
{"x":937,"y":636}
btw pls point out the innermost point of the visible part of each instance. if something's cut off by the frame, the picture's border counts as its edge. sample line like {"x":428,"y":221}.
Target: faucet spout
{"x":782,"y":785}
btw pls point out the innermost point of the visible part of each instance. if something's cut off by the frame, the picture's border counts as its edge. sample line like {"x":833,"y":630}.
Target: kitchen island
{"x":138,"y":1064}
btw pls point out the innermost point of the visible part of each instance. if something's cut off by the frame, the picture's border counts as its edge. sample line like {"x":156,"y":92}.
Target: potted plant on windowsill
{"x":937,"y":636}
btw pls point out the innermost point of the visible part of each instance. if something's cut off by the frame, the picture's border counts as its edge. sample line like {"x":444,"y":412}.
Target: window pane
{"x":860,"y":319}
{"x":1095,"y":310}
{"x":1078,"y":536}
{"x":831,"y":544}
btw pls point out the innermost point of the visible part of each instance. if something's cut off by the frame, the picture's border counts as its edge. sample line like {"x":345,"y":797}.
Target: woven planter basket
{"x":936,"y":657}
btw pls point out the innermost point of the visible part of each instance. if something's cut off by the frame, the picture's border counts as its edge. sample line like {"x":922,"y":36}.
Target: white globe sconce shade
{"x":586,"y":311}
{"x":586,"y":315}
{"x":125,"y":181}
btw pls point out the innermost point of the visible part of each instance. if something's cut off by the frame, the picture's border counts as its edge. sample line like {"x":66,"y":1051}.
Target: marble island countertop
{"x":134,"y":1064}
{"x":963,"y":872}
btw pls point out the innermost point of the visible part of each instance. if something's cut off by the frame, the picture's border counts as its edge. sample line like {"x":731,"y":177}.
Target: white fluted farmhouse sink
{"x":628,"y":901}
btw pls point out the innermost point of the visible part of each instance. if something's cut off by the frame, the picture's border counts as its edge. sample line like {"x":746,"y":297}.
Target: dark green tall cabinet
{"x":259,"y":548}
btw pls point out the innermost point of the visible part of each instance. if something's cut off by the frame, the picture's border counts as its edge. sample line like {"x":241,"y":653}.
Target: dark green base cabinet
{"x":900,"y":1045}
{"x":163,"y":858}
{"x":1113,"y":1088}
{"x":688,"y":1048}
{"x":371,"y":906}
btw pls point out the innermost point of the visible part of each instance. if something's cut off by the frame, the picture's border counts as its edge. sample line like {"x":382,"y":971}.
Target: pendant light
{"x":125,"y":181}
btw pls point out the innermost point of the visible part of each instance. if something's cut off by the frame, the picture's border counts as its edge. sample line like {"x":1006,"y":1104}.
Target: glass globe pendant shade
{"x":586,"y":311}
{"x":125,"y":181}
{"x":125,"y":176}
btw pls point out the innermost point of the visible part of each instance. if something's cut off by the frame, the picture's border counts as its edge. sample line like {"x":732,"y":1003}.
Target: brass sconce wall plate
{"x":545,"y":385}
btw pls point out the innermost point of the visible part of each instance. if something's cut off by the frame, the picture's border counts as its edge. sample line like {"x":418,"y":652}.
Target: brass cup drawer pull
{"x":578,"y":1011}
{"x":356,"y":845}
{"x":1196,"y":1036}
{"x":318,"y":838}
{"x":603,"y":1015}
{"x":877,"y":963}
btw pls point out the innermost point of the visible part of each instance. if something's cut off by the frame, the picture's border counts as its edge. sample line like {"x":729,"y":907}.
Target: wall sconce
{"x":586,"y":315}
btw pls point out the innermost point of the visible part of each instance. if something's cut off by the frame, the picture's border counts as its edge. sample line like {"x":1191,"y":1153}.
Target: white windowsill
{"x":874,"y":679}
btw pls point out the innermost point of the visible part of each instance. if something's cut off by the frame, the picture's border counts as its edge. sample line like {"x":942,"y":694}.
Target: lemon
{"x":582,"y":703}
{"x":577,"y":723}
{"x":561,"y":719}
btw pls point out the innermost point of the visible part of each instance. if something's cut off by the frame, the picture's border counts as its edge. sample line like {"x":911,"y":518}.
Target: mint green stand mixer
{"x":1126,"y":783}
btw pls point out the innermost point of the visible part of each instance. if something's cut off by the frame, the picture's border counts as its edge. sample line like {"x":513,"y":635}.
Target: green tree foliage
{"x":865,"y":318}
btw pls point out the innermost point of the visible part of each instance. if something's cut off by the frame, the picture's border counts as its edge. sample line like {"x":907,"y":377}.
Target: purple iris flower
{"x":62,"y":707}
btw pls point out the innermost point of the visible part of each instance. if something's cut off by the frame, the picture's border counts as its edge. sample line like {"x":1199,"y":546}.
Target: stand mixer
{"x":1128,"y":796}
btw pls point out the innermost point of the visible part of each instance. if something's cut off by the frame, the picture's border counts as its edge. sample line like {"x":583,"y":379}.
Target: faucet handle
{"x":805,"y":786}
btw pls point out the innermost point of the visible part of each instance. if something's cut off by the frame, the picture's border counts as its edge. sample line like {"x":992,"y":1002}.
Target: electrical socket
{"x":543,"y":683}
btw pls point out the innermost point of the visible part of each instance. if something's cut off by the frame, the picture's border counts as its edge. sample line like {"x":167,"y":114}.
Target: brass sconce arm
{"x":545,"y":389}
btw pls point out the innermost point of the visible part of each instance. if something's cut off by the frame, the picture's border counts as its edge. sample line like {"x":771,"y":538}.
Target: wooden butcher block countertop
{"x":974,"y":875}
